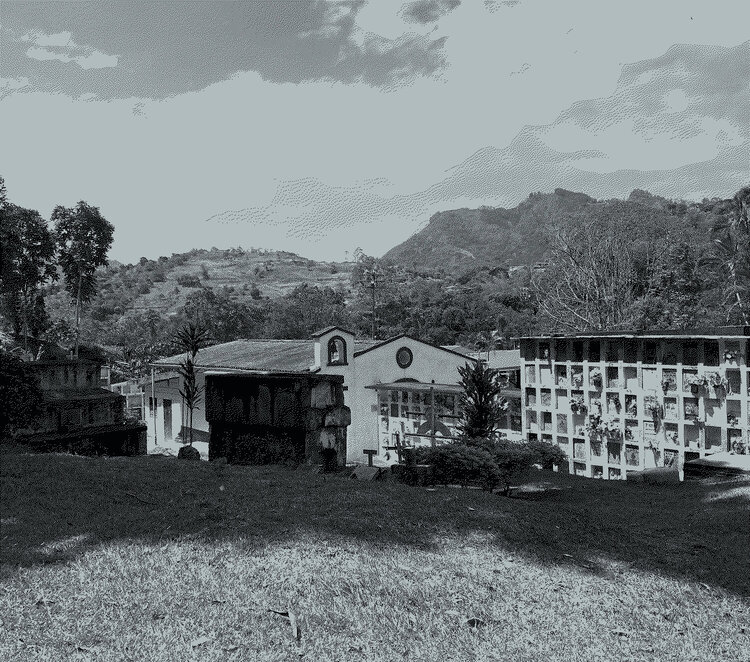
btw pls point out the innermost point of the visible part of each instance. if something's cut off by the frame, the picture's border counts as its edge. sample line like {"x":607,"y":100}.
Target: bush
{"x":460,"y":464}
{"x":20,"y":395}
{"x":514,"y":462}
{"x":547,"y":455}
{"x":489,"y":463}
{"x":188,"y":280}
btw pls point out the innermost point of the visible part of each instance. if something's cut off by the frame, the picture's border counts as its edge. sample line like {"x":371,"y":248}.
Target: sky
{"x":319,"y":127}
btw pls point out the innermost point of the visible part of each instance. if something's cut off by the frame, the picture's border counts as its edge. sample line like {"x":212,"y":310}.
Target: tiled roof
{"x":262,"y":355}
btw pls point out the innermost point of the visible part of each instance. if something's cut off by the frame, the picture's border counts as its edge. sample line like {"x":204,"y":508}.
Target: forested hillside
{"x":559,"y":262}
{"x":462,"y":239}
{"x":135,"y":301}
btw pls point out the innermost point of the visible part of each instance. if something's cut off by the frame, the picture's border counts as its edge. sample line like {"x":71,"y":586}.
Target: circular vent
{"x":404,"y":357}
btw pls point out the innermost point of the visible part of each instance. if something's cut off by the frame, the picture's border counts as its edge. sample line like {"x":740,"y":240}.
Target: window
{"x":337,"y":351}
{"x":404,"y":357}
{"x":167,"y":419}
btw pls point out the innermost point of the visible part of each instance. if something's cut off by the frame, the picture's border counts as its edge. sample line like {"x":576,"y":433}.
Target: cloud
{"x":494,"y":5}
{"x":427,"y":11}
{"x":667,"y":127}
{"x":61,"y":47}
{"x":170,"y":48}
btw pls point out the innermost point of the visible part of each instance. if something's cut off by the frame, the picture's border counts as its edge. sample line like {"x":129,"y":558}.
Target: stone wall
{"x":126,"y":439}
{"x":276,"y":418}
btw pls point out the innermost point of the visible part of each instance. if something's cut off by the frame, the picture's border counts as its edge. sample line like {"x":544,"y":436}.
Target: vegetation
{"x":27,"y":253}
{"x":190,"y":339}
{"x":152,"y":558}
{"x":561,"y":262}
{"x":20,"y":395}
{"x":83,"y":237}
{"x":481,"y":402}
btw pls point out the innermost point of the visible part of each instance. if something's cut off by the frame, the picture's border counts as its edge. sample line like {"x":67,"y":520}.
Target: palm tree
{"x":732,"y":251}
{"x":190,"y":338}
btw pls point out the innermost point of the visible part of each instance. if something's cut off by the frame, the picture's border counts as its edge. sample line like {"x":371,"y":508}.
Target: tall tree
{"x":27,"y":253}
{"x":602,"y":262}
{"x":731,"y":254}
{"x":83,"y":238}
{"x":481,"y":401}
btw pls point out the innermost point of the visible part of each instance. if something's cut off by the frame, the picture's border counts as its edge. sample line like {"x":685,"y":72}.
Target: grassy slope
{"x":277,"y":274}
{"x":114,"y":559}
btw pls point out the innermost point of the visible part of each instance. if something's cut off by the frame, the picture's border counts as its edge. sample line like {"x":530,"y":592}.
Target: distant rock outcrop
{"x":463,"y":239}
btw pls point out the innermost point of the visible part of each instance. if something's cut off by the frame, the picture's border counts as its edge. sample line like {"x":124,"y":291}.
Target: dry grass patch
{"x":155,"y":559}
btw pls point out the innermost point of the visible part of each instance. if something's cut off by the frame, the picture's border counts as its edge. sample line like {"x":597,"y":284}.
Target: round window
{"x":404,"y":357}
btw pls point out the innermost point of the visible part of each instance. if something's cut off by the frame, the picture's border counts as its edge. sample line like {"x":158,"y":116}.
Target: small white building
{"x":401,"y":391}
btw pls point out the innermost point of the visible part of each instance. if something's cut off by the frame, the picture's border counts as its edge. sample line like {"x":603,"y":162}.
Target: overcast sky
{"x":318,"y":127}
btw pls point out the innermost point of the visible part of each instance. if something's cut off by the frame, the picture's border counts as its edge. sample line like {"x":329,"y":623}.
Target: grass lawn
{"x":157,"y":559}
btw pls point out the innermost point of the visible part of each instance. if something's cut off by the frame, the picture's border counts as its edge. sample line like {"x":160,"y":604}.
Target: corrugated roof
{"x":261,"y":355}
{"x":503,"y":359}
{"x":699,"y":332}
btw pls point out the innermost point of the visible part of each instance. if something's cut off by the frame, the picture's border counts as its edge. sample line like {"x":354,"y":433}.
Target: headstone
{"x":366,"y":473}
{"x":189,"y":453}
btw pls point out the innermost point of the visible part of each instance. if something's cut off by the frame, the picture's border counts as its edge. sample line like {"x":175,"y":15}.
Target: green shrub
{"x":514,"y":462}
{"x":460,"y":464}
{"x":547,"y":455}
{"x":20,"y":395}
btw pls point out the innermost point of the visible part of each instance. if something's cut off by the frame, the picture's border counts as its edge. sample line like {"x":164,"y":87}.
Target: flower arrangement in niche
{"x":613,"y":402}
{"x":651,"y":406}
{"x":606,"y":426}
{"x":577,"y":405}
{"x":691,"y":410}
{"x":595,"y":377}
{"x":668,"y":383}
{"x":730,"y":356}
{"x":717,"y":380}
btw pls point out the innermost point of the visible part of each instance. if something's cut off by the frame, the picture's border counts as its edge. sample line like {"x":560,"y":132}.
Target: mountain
{"x":463,"y":239}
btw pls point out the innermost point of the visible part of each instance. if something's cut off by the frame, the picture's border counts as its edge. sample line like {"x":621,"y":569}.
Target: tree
{"x":83,"y":238}
{"x":20,"y":395}
{"x":27,"y":253}
{"x":481,"y":402}
{"x":731,"y":254}
{"x":191,"y":338}
{"x":602,"y":261}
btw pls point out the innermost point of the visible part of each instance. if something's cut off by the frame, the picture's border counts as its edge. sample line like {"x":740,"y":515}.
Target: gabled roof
{"x":254,"y":355}
{"x":275,"y":355}
{"x":328,"y":329}
{"x":382,"y":343}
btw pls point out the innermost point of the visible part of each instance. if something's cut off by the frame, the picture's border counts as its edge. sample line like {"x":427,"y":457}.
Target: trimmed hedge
{"x":459,"y":464}
{"x":488,"y":464}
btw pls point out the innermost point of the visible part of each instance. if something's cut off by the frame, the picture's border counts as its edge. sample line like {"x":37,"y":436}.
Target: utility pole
{"x":372,"y":285}
{"x":372,"y":278}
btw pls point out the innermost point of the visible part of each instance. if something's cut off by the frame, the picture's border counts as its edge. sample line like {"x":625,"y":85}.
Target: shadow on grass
{"x":55,"y":507}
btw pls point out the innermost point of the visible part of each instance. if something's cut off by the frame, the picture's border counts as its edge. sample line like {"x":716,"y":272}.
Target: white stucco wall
{"x":378,"y":365}
{"x":169,"y":389}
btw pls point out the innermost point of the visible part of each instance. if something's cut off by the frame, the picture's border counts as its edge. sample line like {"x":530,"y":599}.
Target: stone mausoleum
{"x":276,"y":417}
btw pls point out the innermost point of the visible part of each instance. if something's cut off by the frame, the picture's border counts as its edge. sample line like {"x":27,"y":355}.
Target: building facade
{"x":620,"y":402}
{"x":76,"y":414}
{"x":401,"y":391}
